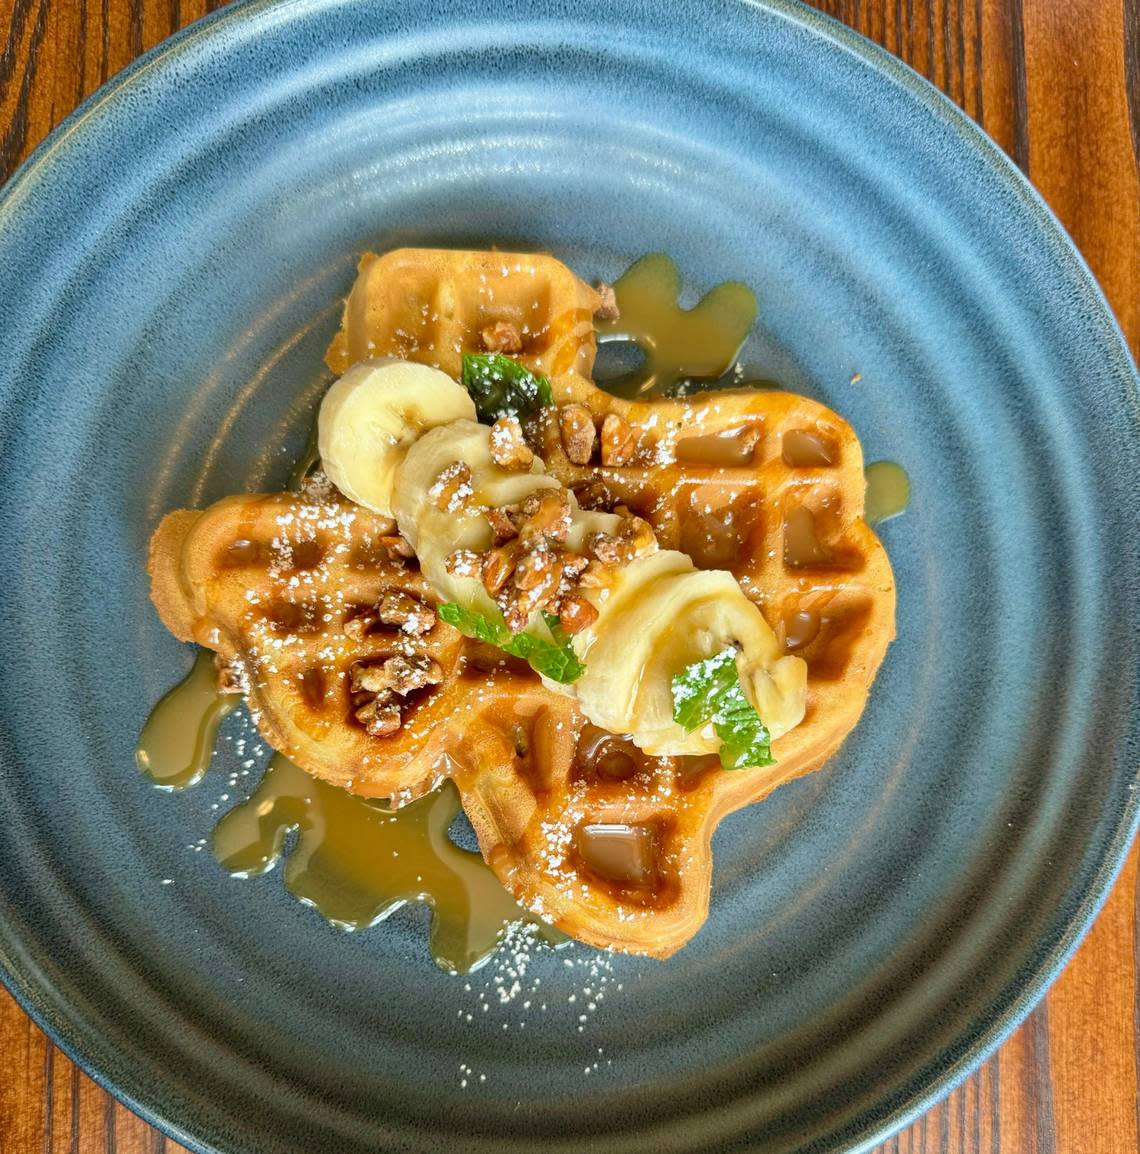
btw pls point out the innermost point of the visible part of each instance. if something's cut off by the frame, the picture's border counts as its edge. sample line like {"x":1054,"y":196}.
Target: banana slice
{"x":662,"y":615}
{"x":372,"y":416}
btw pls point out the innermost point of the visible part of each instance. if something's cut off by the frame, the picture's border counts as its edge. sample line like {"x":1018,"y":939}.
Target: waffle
{"x":611,"y":845}
{"x":769,"y":486}
{"x":433,"y":305}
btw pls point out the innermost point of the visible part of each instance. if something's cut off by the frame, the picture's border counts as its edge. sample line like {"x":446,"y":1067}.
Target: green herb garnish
{"x":710,"y":690}
{"x":553,"y":657}
{"x":501,"y":387}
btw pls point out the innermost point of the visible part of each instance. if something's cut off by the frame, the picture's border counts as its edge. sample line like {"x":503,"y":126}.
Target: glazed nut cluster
{"x":614,"y":441}
{"x":380,"y":689}
{"x":529,"y":566}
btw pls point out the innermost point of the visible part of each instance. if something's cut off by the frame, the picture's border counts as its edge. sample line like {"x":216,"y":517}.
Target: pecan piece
{"x":397,"y":546}
{"x":409,"y":613}
{"x":576,"y":614}
{"x":509,"y":449}
{"x":576,"y":425}
{"x":502,"y":337}
{"x":618,"y":445}
{"x":549,"y":518}
{"x":497,"y":567}
{"x":463,"y":563}
{"x":398,"y":674}
{"x":594,"y":495}
{"x":451,"y":490}
{"x":501,"y":525}
{"x":379,"y":718}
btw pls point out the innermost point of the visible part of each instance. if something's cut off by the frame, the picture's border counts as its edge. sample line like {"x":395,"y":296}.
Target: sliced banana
{"x":372,"y":416}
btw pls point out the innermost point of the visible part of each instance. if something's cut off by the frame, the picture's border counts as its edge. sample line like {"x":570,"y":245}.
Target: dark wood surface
{"x":1057,"y":84}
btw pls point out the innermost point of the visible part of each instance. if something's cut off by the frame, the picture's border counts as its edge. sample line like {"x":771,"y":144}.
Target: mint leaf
{"x":501,"y":387}
{"x":710,"y":690}
{"x":555,"y":659}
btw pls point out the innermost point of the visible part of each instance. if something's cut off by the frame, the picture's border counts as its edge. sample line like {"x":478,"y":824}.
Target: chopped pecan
{"x":618,"y":445}
{"x":409,"y":613}
{"x":398,"y":674}
{"x":463,"y":563}
{"x":549,"y":518}
{"x":397,"y":546}
{"x":360,"y":624}
{"x":498,"y":565}
{"x":379,"y":718}
{"x":576,"y":614}
{"x":573,"y":566}
{"x":452,"y":488}
{"x":501,"y":525}
{"x":607,"y":548}
{"x":509,"y":449}
{"x":576,"y":424}
{"x":594,"y":495}
{"x":640,"y":535}
{"x":502,"y":337}
{"x":608,"y":309}
{"x":538,"y":569}
{"x":596,"y":575}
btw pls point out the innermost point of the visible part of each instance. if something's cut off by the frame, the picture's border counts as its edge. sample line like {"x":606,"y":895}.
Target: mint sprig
{"x":553,"y":658}
{"x":710,"y":690}
{"x":501,"y":387}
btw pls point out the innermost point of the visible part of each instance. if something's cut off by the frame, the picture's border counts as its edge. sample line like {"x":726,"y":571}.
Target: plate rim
{"x":69,"y":1038}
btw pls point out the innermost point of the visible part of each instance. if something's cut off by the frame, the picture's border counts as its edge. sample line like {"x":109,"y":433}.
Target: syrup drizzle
{"x":701,"y":342}
{"x":888,"y":491}
{"x":357,"y":862}
{"x":177,"y":741}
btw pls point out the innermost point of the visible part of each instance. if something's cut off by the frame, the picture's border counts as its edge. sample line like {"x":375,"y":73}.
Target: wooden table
{"x":1057,"y":84}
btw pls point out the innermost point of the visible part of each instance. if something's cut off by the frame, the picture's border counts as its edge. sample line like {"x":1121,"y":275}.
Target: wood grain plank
{"x":1057,"y":84}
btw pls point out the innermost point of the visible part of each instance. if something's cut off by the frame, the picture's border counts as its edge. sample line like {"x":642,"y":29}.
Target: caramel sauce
{"x":807,"y":449}
{"x":357,"y":862}
{"x":619,"y":853}
{"x":701,"y":342}
{"x":732,"y":449}
{"x":888,"y":491}
{"x":177,"y":741}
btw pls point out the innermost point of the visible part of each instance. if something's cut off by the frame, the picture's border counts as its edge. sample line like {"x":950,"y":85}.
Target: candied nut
{"x":501,"y":525}
{"x":452,"y":488}
{"x":594,"y":495}
{"x":370,"y":677}
{"x":463,"y":563}
{"x":509,"y":449}
{"x":538,"y":569}
{"x":397,"y":546}
{"x":379,"y":718}
{"x":573,"y":566}
{"x":502,"y":337}
{"x":608,"y":309}
{"x":606,"y":548}
{"x":230,"y":675}
{"x":596,"y":575}
{"x":409,"y":613}
{"x":498,"y":565}
{"x":359,"y":624}
{"x":618,"y":445}
{"x":576,"y":424}
{"x":640,"y":536}
{"x":550,"y":520}
{"x":398,"y":674}
{"x":576,"y":614}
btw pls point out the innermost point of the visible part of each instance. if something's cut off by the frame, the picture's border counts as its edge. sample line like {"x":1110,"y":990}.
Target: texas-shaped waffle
{"x":610,"y":844}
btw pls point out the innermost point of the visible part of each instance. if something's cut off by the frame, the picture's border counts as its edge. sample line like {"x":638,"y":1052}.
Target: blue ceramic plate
{"x":170,"y":267}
